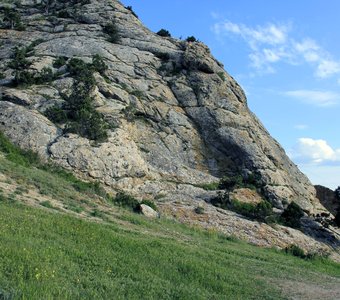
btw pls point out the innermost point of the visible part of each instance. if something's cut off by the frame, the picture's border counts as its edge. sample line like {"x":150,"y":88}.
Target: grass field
{"x":46,"y":255}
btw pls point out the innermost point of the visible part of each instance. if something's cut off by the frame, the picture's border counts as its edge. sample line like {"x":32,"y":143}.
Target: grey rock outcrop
{"x":180,"y":118}
{"x":148,"y":211}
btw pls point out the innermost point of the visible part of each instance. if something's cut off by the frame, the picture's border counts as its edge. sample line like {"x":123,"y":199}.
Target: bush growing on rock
{"x":262,"y":211}
{"x":126,"y":200}
{"x":191,"y":39}
{"x":291,"y":215}
{"x":59,"y":62}
{"x":111,"y":30}
{"x":295,"y":251}
{"x":12,"y":19}
{"x":131,"y":10}
{"x":78,"y":110}
{"x":164,"y":33}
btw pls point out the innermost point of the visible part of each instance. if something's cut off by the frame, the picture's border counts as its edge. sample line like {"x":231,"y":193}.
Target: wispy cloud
{"x":317,"y":98}
{"x":311,"y":151}
{"x":301,"y":126}
{"x":273,"y":43}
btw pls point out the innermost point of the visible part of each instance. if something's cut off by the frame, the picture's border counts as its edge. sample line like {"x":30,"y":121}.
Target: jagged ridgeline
{"x":87,"y":86}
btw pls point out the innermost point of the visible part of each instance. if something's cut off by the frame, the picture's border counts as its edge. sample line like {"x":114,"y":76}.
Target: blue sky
{"x":285,"y":55}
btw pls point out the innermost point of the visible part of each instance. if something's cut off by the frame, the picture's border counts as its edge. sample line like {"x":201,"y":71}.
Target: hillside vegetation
{"x":62,"y":239}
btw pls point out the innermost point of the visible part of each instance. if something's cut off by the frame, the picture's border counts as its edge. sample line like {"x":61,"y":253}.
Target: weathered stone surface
{"x":179,"y":119}
{"x":148,"y":211}
{"x":327,"y":198}
{"x":195,"y":123}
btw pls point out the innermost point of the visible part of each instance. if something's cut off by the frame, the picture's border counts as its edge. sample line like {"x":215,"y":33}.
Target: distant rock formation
{"x":327,"y":198}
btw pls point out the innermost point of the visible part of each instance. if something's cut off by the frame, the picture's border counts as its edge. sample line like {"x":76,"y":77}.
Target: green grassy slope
{"x":48,"y":254}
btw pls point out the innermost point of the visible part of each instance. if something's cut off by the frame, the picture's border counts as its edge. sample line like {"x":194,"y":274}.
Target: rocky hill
{"x":88,"y":87}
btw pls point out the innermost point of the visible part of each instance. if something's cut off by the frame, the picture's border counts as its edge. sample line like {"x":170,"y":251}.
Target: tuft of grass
{"x":213,"y":186}
{"x":47,"y":204}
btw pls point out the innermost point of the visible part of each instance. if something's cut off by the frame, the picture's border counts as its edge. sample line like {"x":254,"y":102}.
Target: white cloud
{"x":327,"y":68}
{"x":301,"y":126}
{"x":310,"y":151}
{"x":317,"y":98}
{"x":273,"y":43}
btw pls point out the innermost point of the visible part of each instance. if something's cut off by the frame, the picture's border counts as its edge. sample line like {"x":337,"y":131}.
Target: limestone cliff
{"x":179,"y":119}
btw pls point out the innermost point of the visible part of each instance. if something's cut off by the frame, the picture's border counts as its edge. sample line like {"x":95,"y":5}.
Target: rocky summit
{"x":88,"y":87}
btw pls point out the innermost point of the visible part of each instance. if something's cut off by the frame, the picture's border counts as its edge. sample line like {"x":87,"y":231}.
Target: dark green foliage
{"x":231,"y":182}
{"x":291,"y":215}
{"x":64,"y":14}
{"x":56,"y":114}
{"x":191,"y":39}
{"x":164,"y":33}
{"x":98,"y":64}
{"x":337,"y":193}
{"x":337,"y":218}
{"x":295,"y":251}
{"x":2,"y":76}
{"x":262,"y":211}
{"x":45,"y":75}
{"x":252,"y":181}
{"x":126,"y":200}
{"x":163,"y":56}
{"x":59,"y":62}
{"x":47,"y":204}
{"x":221,"y":75}
{"x":111,"y":30}
{"x":213,"y":186}
{"x":19,"y":61}
{"x":259,"y":211}
{"x":78,"y":110}
{"x":131,"y":10}
{"x":150,"y":203}
{"x":12,"y":19}
{"x":222,"y":200}
{"x":199,"y":210}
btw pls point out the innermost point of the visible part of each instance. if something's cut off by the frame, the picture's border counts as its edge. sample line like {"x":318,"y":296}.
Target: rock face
{"x":179,"y":118}
{"x":327,"y":198}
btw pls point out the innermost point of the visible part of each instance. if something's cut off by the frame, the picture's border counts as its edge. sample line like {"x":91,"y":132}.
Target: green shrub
{"x":191,"y":39}
{"x":46,"y":204}
{"x":111,"y":30}
{"x":295,"y":251}
{"x":150,"y":204}
{"x":78,"y":110}
{"x":337,"y":218}
{"x":131,"y":10}
{"x":231,"y":182}
{"x":262,"y":211}
{"x":163,"y":56}
{"x":2,"y":76}
{"x":199,"y":210}
{"x":56,"y":114}
{"x":164,"y":33}
{"x":259,"y":211}
{"x":213,"y":186}
{"x":127,"y":201}
{"x":291,"y":215}
{"x":221,"y":75}
{"x":59,"y":62}
{"x":98,"y":64}
{"x":12,"y":19}
{"x":19,"y":61}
